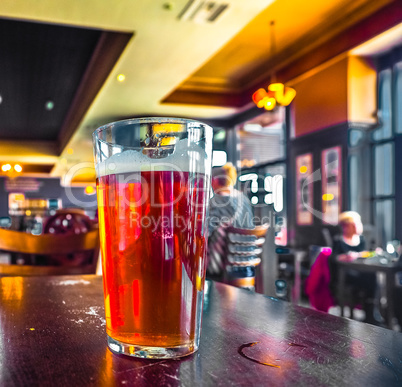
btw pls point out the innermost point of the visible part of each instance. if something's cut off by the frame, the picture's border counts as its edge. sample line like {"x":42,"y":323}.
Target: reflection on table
{"x":52,"y":332}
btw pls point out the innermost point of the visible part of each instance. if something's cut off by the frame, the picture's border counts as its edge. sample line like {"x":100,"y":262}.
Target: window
{"x":375,"y":175}
{"x":384,"y":147}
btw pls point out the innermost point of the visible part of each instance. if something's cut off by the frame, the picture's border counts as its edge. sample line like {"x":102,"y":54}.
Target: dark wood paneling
{"x":195,"y":97}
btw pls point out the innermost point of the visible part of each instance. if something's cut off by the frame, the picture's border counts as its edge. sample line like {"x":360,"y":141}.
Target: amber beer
{"x":153,"y":183}
{"x":154,"y":244}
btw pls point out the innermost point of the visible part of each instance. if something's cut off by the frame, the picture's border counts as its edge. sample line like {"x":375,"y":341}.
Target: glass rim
{"x":144,"y":120}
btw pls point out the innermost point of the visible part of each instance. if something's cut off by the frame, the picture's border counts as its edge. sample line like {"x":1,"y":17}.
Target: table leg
{"x":297,"y":283}
{"x":341,"y":289}
{"x":390,"y":315}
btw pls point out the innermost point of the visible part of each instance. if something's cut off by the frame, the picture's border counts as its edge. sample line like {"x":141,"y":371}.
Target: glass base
{"x":147,"y":352}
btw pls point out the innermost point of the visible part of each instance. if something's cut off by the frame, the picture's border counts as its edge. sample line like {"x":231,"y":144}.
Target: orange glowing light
{"x":277,"y":94}
{"x":6,"y":167}
{"x":288,"y":96}
{"x":276,"y":87}
{"x":270,"y":104}
{"x":17,"y":168}
{"x":259,"y":95}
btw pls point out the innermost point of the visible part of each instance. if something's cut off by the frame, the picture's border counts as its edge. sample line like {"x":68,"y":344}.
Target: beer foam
{"x":184,"y":158}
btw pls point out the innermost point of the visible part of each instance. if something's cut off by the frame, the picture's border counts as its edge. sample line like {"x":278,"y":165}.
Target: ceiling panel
{"x":40,"y":65}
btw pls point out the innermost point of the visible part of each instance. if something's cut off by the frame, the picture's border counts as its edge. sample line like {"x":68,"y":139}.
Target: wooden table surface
{"x":52,"y":333}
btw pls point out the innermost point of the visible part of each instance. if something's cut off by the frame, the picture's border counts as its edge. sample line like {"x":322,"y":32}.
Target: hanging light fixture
{"x":276,"y":93}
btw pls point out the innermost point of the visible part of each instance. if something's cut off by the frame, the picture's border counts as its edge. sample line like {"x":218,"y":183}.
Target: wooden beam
{"x":105,"y":56}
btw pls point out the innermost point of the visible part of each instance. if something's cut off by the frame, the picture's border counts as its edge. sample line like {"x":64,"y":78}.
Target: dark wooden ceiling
{"x":40,"y":63}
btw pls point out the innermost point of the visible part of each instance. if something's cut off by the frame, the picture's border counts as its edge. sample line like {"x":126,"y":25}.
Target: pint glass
{"x":153,"y":184}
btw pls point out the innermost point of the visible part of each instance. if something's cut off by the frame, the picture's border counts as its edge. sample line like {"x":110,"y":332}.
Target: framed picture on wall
{"x":331,"y":160}
{"x":304,"y":189}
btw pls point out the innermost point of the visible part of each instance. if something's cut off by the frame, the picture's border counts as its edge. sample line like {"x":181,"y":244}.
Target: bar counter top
{"x":52,"y":333}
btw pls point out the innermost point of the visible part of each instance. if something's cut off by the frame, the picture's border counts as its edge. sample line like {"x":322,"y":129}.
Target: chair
{"x":243,"y":248}
{"x":70,"y":253}
{"x":68,"y":220}
{"x":317,"y":285}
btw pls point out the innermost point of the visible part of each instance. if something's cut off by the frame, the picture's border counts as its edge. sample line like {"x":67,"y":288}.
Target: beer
{"x":153,"y":182}
{"x":153,"y":240}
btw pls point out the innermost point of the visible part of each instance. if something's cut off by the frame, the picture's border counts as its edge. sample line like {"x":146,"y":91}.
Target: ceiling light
{"x":276,"y":93}
{"x":70,"y":151}
{"x":49,"y":105}
{"x":6,"y":167}
{"x":17,"y":168}
{"x":121,"y":77}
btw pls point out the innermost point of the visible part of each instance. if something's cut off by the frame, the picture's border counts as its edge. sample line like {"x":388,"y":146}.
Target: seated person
{"x":228,"y":207}
{"x":348,"y":246}
{"x":351,"y":239}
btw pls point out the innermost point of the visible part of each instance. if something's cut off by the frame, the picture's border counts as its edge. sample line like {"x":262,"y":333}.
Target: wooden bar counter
{"x":52,"y":333}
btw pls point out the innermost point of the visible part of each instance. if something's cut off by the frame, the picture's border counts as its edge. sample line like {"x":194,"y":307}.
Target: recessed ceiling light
{"x":121,"y":77}
{"x":49,"y":105}
{"x":70,"y":151}
{"x":17,"y":168}
{"x":168,"y":6}
{"x":6,"y":167}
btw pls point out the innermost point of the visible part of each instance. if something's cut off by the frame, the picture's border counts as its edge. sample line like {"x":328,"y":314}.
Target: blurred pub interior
{"x":68,"y":67}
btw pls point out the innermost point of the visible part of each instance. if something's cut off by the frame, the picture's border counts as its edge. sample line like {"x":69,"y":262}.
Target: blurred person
{"x":351,"y":240}
{"x":347,"y":247}
{"x":228,"y":207}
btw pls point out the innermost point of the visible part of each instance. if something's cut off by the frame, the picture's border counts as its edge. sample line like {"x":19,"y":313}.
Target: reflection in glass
{"x":384,"y":106}
{"x":398,"y":97}
{"x":385,"y":221}
{"x":355,"y":136}
{"x":353,"y":183}
{"x":384,"y":169}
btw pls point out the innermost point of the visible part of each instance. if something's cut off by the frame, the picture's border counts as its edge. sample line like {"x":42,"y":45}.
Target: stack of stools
{"x":243,"y":251}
